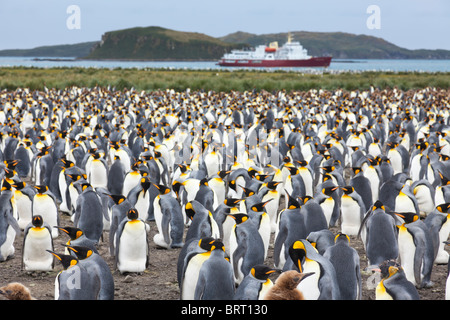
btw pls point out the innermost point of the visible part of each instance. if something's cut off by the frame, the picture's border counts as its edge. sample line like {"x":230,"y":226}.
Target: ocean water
{"x":336,"y":66}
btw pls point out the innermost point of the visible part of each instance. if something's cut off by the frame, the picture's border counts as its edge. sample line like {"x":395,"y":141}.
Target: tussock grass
{"x":239,"y":80}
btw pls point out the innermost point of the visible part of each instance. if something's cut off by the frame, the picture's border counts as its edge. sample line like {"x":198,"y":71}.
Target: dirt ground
{"x":159,"y":281}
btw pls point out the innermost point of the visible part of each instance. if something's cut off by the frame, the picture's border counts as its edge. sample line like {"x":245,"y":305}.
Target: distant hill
{"x":68,"y":50}
{"x":339,"y":45}
{"x":155,"y":43}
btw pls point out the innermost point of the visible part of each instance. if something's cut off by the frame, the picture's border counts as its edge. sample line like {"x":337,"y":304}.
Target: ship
{"x":291,"y":54}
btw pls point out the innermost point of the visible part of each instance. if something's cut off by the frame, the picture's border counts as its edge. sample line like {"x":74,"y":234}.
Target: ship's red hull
{"x":312,"y":62}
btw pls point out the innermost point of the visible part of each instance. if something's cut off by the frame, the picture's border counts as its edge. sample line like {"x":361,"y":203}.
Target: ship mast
{"x":289,"y":40}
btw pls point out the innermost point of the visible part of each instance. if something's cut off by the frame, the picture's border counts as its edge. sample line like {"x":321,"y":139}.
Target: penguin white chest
{"x":7,"y":248}
{"x":23,"y":209}
{"x":396,"y":160}
{"x":350,"y":216}
{"x":310,"y":286}
{"x":133,"y":249}
{"x":35,"y":257}
{"x":328,"y":207}
{"x":98,"y":175}
{"x":425,"y":200}
{"x":403,"y":203}
{"x":407,"y":250}
{"x":45,"y":206}
{"x":191,"y":275}
{"x":142,"y":205}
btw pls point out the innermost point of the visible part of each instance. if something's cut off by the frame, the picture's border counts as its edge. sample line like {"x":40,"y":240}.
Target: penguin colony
{"x":225,"y":177}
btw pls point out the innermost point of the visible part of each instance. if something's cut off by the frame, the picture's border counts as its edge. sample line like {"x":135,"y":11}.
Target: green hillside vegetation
{"x":339,"y":45}
{"x":155,"y":43}
{"x":68,"y":50}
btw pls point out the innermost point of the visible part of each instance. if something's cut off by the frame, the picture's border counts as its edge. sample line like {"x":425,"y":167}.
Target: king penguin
{"x":78,"y":238}
{"x":416,"y":249}
{"x":322,"y":285}
{"x":23,"y":195}
{"x":329,"y":200}
{"x":193,"y":254}
{"x":352,"y":211}
{"x":87,"y":286}
{"x":394,"y":285}
{"x":132,"y":250}
{"x":267,"y":192}
{"x":346,"y":262}
{"x":438,"y":222}
{"x":256,"y":284}
{"x":202,"y":224}
{"x":140,"y":197}
{"x":291,"y":227}
{"x":44,"y":204}
{"x":262,"y":221}
{"x":246,"y":246}
{"x":169,"y":219}
{"x":88,"y":215}
{"x":215,"y":279}
{"x":94,"y":263}
{"x":118,"y":213}
{"x":379,"y":235}
{"x":37,"y":239}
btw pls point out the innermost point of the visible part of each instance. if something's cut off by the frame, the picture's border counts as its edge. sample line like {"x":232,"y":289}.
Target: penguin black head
{"x":328,"y":169}
{"x":302,"y":163}
{"x":443,"y":208}
{"x":217,"y":245}
{"x":37,"y":221}
{"x":261,"y":177}
{"x":348,"y":189}
{"x":204,"y":182}
{"x":206,"y":243}
{"x":189,"y":209}
{"x":66,"y":260}
{"x":41,"y":188}
{"x":341,"y":237}
{"x":329,"y":190}
{"x":262,"y":272}
{"x":408,"y":217}
{"x":6,"y":185}
{"x":132,"y":214}
{"x":305,"y":199}
{"x":232,"y":202}
{"x":67,"y":163}
{"x":145,"y":183}
{"x":162,"y":189}
{"x":222,"y":174}
{"x":11,"y":164}
{"x":117,"y":198}
{"x":444,"y":180}
{"x":272,"y":184}
{"x":81,"y":252}
{"x":239,"y":217}
{"x":247,"y":192}
{"x":356,"y":170}
{"x":73,"y":232}
{"x":293,"y":170}
{"x":19,"y":185}
{"x":292,"y":202}
{"x":259,"y":207}
{"x":378,"y":205}
{"x":297,"y":253}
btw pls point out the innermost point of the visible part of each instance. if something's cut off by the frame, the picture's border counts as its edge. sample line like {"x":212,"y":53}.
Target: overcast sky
{"x":411,"y":24}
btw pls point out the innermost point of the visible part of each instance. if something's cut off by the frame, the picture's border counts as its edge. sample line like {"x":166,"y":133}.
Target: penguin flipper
{"x":240,"y":251}
{"x":278,"y":245}
{"x":200,"y":287}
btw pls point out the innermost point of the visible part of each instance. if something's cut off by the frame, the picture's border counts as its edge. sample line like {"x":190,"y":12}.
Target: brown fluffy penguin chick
{"x":16,"y":291}
{"x":285,"y":287}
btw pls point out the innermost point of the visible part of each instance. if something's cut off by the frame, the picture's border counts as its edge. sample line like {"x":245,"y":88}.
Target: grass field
{"x":179,"y":80}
